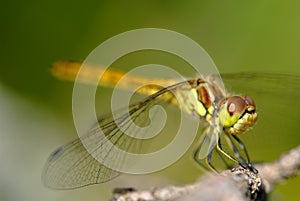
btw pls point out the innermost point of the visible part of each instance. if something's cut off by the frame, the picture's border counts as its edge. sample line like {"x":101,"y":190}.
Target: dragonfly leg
{"x":234,"y":148}
{"x":243,"y":147}
{"x":242,"y":162}
{"x":208,"y":157}
{"x":219,"y":147}
{"x":223,"y":159}
{"x":208,"y":160}
{"x":198,"y":160}
{"x":233,"y":159}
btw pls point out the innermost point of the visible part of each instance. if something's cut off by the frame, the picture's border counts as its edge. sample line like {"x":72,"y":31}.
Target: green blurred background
{"x":36,"y":110}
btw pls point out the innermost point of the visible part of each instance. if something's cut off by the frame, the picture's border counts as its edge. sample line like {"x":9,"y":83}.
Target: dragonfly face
{"x":238,"y":114}
{"x":206,"y":99}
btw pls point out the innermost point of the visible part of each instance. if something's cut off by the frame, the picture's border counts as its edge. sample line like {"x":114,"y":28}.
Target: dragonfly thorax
{"x":238,"y":114}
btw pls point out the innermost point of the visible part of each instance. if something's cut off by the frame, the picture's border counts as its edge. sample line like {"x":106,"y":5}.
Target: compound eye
{"x":249,"y":101}
{"x":236,"y":104}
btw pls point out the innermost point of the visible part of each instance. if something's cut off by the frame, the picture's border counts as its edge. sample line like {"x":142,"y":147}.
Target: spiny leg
{"x":220,"y":152}
{"x":196,"y":156}
{"x":199,"y":162}
{"x":222,"y":157}
{"x":248,"y":165}
{"x":208,"y":160}
{"x":243,"y":147}
{"x":234,"y":148}
{"x":223,"y":152}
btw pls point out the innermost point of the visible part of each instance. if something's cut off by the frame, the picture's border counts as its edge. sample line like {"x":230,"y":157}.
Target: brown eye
{"x":236,"y":104}
{"x":249,"y":101}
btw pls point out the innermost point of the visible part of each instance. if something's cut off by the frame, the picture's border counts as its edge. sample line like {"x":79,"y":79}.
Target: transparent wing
{"x":263,"y":84}
{"x":72,"y":166}
{"x":279,"y":91}
{"x":277,"y":101}
{"x":207,"y":141}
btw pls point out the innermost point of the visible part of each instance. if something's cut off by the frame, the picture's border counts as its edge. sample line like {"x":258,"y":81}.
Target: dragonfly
{"x":72,"y":166}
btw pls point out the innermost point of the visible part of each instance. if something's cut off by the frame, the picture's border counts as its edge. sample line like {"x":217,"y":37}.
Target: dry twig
{"x":238,"y":184}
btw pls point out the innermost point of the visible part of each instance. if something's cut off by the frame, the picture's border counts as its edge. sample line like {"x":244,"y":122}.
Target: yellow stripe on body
{"x":192,"y":103}
{"x":210,"y":112}
{"x":68,"y":70}
{"x":199,"y":107}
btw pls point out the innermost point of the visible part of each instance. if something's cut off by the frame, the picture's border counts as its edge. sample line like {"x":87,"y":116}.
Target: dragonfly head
{"x":238,"y":114}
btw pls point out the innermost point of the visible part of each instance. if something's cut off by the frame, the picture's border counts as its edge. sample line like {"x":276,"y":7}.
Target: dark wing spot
{"x":56,"y":153}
